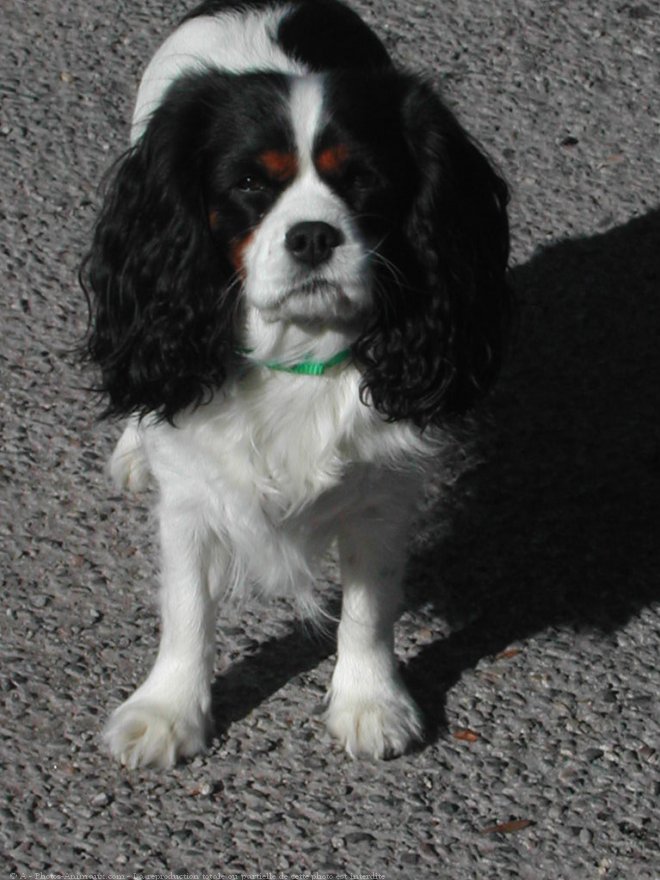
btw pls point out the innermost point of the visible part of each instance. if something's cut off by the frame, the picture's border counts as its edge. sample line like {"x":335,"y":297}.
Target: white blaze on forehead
{"x":279,"y":290}
{"x":306,"y":109}
{"x":235,"y":42}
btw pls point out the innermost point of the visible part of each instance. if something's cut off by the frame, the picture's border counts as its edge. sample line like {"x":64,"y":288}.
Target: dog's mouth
{"x":316,"y":287}
{"x":315,"y":299}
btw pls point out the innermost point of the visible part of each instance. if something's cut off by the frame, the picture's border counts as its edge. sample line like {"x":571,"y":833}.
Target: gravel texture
{"x":530,"y":636}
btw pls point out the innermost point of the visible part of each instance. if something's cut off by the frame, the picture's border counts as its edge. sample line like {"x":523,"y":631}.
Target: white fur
{"x":128,"y":467}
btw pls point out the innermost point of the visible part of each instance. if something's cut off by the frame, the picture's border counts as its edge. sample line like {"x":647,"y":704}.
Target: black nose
{"x":312,"y":242}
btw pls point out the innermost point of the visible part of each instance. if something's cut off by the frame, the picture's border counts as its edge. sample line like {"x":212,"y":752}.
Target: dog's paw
{"x":128,"y":466}
{"x":375,"y":725}
{"x":143,"y":733}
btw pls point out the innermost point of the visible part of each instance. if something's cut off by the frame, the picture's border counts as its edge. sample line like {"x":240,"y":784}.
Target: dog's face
{"x":345,"y":200}
{"x":303,"y":201}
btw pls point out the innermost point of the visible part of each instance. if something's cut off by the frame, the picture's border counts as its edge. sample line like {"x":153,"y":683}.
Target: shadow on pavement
{"x":253,"y":679}
{"x":560,"y":524}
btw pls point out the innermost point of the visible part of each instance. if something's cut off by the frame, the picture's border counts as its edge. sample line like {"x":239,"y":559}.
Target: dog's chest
{"x":286,"y":441}
{"x":282,"y":447}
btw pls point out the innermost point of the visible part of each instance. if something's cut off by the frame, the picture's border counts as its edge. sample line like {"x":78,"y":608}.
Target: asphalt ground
{"x":530,"y":635}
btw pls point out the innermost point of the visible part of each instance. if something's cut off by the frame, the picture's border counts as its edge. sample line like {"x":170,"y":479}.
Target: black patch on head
{"x":377,"y":179}
{"x":251,"y":120}
{"x":326,"y":35}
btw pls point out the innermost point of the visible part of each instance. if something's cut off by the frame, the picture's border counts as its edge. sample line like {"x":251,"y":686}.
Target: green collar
{"x":305,"y":368}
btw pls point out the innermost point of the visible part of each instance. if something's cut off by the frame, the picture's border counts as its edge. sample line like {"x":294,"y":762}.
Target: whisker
{"x":393,"y":270}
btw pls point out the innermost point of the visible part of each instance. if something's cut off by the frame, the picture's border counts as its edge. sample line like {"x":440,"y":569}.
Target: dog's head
{"x":352,"y":201}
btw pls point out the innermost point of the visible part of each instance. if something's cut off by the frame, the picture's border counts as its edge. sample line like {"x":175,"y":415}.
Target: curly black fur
{"x":163,"y":293}
{"x":435,"y":343}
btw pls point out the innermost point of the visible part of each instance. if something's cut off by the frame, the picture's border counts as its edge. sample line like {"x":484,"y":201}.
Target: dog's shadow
{"x":558,"y":526}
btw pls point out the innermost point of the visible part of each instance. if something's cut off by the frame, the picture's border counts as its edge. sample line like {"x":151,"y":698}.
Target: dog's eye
{"x":362,"y":179}
{"x":251,"y":183}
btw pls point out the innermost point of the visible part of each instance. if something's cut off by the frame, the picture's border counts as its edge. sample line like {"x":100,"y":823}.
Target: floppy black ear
{"x":161,"y":303}
{"x":436,"y":344}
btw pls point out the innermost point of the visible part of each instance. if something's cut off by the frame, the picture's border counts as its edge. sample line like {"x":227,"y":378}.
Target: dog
{"x":298,"y":276}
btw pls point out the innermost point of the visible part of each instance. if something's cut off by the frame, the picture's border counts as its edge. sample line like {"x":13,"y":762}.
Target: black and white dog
{"x":297,"y":274}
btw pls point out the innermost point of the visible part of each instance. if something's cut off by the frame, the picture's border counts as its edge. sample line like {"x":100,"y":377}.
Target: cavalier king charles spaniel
{"x":297,"y":276}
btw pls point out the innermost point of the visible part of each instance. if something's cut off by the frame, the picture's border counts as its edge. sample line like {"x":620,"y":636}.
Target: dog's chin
{"x":318,"y":302}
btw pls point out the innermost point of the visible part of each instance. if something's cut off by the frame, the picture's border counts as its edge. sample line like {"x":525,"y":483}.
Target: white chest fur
{"x":271,"y":466}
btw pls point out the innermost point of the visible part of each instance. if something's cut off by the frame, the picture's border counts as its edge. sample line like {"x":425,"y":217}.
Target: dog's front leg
{"x":370,"y":710}
{"x":168,"y":715}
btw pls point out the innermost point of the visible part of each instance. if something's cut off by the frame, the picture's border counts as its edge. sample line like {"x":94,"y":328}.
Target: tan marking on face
{"x":279,"y":165}
{"x":332,"y":159}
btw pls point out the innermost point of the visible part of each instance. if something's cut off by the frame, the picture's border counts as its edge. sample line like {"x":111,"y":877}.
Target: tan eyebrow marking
{"x":331,"y":160}
{"x":281,"y":166}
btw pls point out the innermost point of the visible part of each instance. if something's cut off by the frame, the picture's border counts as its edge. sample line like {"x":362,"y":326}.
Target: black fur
{"x":165,"y":295}
{"x":436,"y":341}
